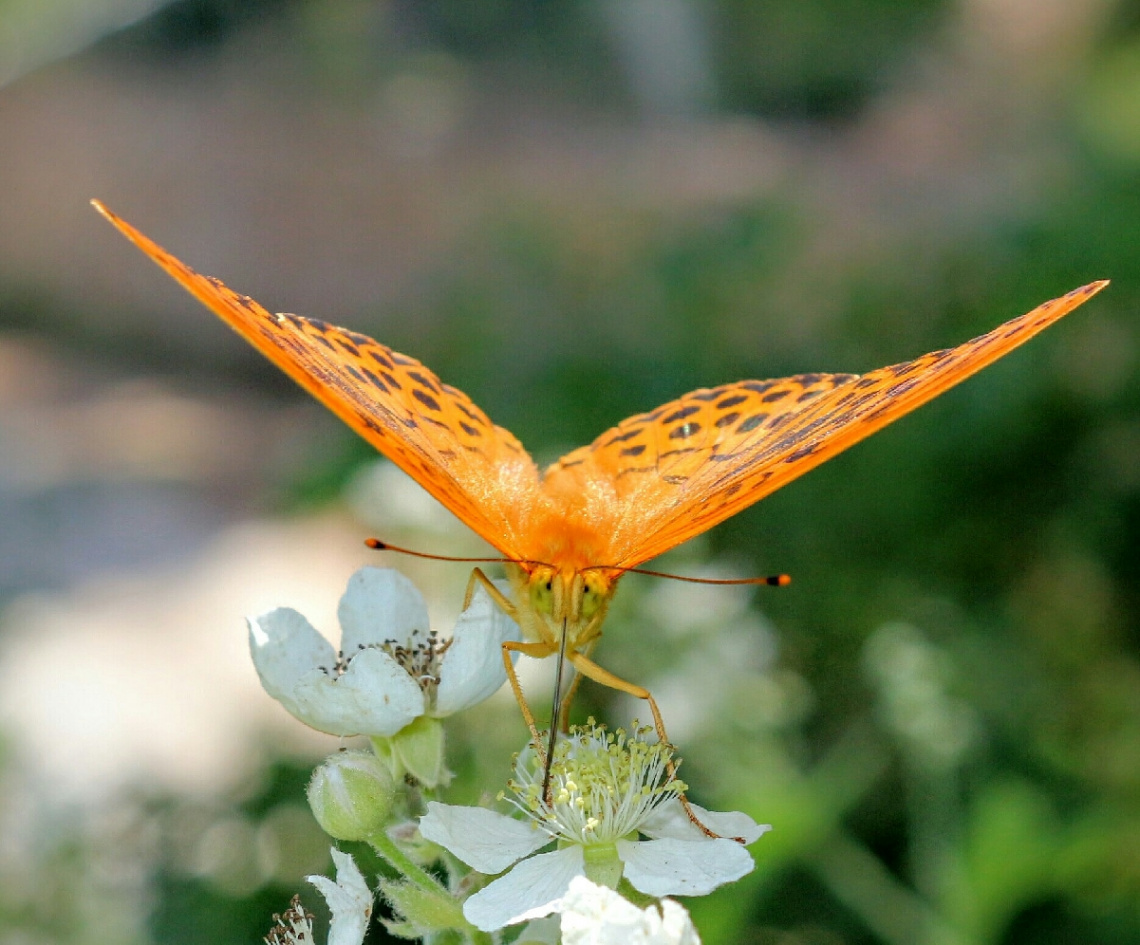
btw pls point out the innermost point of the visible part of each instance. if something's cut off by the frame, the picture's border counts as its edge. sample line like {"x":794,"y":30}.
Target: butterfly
{"x":570,"y":532}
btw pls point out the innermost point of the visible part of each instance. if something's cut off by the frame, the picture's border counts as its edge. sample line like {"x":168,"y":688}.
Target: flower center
{"x":420,"y":657}
{"x":602,"y":784}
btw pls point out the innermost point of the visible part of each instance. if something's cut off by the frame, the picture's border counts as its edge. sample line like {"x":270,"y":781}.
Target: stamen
{"x":420,"y":656}
{"x":602,"y":784}
{"x":295,"y":927}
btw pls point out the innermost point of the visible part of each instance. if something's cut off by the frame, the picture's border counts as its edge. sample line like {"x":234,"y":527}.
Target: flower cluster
{"x":607,"y":814}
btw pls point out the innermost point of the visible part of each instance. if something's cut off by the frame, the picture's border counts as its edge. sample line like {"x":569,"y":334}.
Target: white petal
{"x":682,"y":867}
{"x":595,"y":915}
{"x":676,"y":924}
{"x":379,"y":604}
{"x":374,"y":696}
{"x":483,"y":839}
{"x":285,"y":648}
{"x":670,"y":820}
{"x":531,"y":890}
{"x":472,"y":668}
{"x":349,"y":899}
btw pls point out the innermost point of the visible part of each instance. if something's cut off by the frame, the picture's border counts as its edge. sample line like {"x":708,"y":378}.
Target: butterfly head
{"x":554,"y":598}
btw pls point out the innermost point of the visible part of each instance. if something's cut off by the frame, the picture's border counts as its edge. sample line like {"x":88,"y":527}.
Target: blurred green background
{"x":575,"y":211}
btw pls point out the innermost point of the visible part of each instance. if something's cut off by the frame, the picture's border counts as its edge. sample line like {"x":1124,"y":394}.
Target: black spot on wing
{"x":681,"y":414}
{"x":752,"y":422}
{"x":732,"y":401}
{"x":471,"y":414}
{"x":684,"y":431}
{"x":427,"y":400}
{"x":622,"y":437}
{"x":424,"y":381}
{"x":380,"y":358}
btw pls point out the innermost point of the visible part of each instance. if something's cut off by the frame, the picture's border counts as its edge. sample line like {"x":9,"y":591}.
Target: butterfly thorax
{"x":551,"y":601}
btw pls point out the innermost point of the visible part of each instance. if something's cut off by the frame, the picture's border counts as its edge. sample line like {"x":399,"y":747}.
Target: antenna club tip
{"x":780,"y":580}
{"x":375,"y":544}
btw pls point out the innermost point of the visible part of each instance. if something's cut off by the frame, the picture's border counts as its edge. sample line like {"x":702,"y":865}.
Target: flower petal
{"x":670,"y":820}
{"x":374,"y":696}
{"x":285,"y":648}
{"x":472,"y":668}
{"x":682,"y":867}
{"x":529,"y":891}
{"x":379,"y":604}
{"x":676,"y":925}
{"x":349,"y":899}
{"x":483,"y":839}
{"x":595,"y":915}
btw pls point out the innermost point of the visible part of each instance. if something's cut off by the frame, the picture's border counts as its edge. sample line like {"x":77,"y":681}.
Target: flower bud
{"x":351,"y":795}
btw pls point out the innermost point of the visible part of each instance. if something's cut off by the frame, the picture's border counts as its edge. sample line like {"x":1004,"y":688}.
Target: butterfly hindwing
{"x":673,"y":442}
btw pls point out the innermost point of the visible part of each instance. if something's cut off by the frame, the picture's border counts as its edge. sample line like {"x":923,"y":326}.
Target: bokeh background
{"x":575,"y":210}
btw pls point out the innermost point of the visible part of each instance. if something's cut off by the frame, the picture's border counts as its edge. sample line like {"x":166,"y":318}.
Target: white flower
{"x":349,"y":899}
{"x":605,"y":789}
{"x":596,"y":915}
{"x":391,"y":668}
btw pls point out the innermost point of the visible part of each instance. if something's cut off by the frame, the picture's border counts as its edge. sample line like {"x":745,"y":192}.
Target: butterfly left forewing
{"x":745,"y":449}
{"x":431,"y":430}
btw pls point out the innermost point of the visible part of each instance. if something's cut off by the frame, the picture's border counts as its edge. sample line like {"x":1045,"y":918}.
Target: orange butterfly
{"x":638,"y":490}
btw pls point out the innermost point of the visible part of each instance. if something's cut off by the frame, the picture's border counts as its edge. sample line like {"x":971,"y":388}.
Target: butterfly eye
{"x":542,"y":596}
{"x":591,"y":601}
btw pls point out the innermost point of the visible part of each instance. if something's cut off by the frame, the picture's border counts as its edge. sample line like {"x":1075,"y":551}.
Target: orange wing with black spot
{"x":641,"y":488}
{"x":430,"y":430}
{"x":682,"y":468}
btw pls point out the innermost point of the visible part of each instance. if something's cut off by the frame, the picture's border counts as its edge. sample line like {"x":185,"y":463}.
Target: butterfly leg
{"x":567,"y":701}
{"x":604,"y":677}
{"x":501,"y":600}
{"x":538,"y":651}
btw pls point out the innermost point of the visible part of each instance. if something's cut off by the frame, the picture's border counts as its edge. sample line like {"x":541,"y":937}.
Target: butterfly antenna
{"x":377,"y":545}
{"x":555,"y":713}
{"x":772,"y":580}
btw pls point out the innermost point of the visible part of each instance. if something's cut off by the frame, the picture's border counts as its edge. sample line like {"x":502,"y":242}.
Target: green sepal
{"x":419,"y":749}
{"x":422,"y":911}
{"x":384,"y":750}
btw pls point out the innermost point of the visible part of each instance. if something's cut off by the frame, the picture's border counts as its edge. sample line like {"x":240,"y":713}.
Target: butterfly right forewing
{"x":748,"y":448}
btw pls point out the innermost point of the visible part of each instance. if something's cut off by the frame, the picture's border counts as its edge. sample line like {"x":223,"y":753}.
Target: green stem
{"x":386,"y":847}
{"x":481,"y":938}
